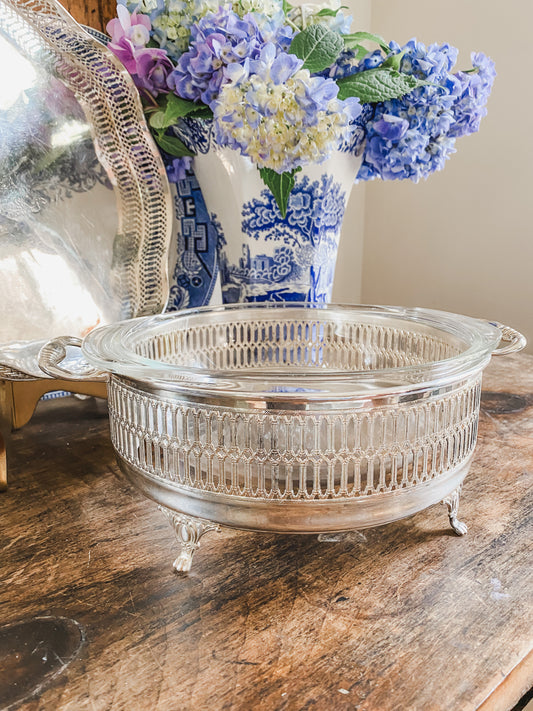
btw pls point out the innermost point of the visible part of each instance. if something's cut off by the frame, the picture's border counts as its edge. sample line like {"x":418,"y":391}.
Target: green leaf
{"x":358,"y":37}
{"x":377,"y":85}
{"x":280,"y":185}
{"x":172,"y":145}
{"x":204,"y":112}
{"x":172,"y":108}
{"x":394,"y":61}
{"x":318,"y":46}
{"x":178,"y":108}
{"x":157,"y":120}
{"x":326,"y":12}
{"x":287,"y":7}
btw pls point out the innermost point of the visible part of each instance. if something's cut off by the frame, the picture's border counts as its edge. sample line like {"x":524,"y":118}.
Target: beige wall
{"x":349,"y":270}
{"x":461,"y":241}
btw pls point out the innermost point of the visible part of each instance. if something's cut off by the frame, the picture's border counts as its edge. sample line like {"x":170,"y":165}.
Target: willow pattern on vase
{"x":193,"y":254}
{"x":263,"y":256}
{"x":192,"y":265}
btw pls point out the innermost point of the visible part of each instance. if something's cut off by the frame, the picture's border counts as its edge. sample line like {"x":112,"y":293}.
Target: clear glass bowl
{"x":306,"y":352}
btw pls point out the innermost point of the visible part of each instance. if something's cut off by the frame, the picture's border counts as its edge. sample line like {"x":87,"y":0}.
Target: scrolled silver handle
{"x":54,"y":353}
{"x":515,"y":340}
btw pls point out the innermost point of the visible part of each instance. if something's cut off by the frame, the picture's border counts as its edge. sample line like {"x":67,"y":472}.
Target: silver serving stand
{"x":85,"y":205}
{"x":293,"y":418}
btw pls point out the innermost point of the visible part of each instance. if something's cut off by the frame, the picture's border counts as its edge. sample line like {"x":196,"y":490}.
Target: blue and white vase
{"x":193,"y":248}
{"x":261,"y":255}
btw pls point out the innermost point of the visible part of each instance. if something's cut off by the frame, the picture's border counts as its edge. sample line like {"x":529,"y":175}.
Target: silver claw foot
{"x":188,"y":531}
{"x":452,"y":502}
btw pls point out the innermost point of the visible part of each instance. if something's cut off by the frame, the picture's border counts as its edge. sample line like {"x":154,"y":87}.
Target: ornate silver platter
{"x":85,"y":205}
{"x":192,"y":264}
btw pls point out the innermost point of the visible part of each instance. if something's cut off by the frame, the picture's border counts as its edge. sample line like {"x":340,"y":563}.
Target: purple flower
{"x":129,"y":36}
{"x":125,"y":51}
{"x":218,"y":41}
{"x":134,"y":27}
{"x":153,"y":68}
{"x":177,"y":168}
{"x":392,"y":128}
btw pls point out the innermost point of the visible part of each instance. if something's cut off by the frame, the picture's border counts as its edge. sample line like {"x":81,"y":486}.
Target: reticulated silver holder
{"x":296,"y":471}
{"x":81,"y":246}
{"x":293,"y":418}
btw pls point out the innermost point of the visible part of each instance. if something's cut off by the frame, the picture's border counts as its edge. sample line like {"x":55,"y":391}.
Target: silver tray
{"x":85,"y":205}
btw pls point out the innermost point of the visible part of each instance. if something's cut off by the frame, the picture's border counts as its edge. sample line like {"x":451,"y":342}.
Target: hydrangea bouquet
{"x":288,"y":87}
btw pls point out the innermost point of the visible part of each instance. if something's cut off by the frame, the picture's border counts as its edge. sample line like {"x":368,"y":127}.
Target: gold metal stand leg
{"x":6,"y":425}
{"x":3,"y":464}
{"x":18,"y":400}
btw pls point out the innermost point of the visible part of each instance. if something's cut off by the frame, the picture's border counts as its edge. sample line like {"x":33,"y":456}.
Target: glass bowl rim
{"x":107,"y":349}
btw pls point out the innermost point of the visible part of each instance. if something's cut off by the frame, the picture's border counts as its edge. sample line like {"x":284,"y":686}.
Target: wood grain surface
{"x":94,"y":13}
{"x":405,"y":616}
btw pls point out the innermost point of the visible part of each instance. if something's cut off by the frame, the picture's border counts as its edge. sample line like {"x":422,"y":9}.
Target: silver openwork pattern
{"x":281,"y":450}
{"x":7,"y":373}
{"x":293,"y":455}
{"x":292,"y":419}
{"x":51,"y":38}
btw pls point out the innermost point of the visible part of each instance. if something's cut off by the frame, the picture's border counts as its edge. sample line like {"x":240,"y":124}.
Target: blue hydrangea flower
{"x":177,"y":168}
{"x":348,"y":64}
{"x":233,"y":55}
{"x":413,"y":136}
{"x":219,"y":40}
{"x":280,"y":116}
{"x":472,"y":95}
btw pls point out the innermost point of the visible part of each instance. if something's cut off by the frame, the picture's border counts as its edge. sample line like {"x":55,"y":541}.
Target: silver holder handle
{"x":54,"y":353}
{"x":515,"y":340}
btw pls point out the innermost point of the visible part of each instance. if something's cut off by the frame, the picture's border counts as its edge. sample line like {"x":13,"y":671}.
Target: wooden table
{"x":406,"y":616}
